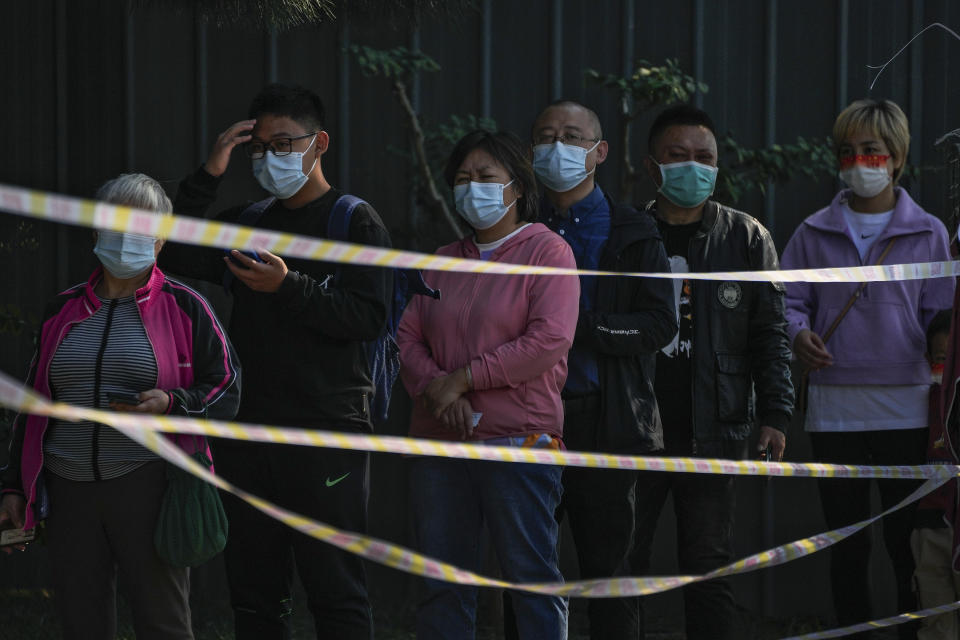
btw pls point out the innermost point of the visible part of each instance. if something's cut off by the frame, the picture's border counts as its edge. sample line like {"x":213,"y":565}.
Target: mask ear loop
{"x":315,"y":157}
{"x":501,"y":195}
{"x":594,"y":170}
{"x":663,"y":176}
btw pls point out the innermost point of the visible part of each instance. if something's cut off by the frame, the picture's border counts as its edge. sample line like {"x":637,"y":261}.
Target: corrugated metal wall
{"x":91,"y":90}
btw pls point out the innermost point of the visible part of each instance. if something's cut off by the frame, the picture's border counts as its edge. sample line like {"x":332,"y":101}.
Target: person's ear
{"x":322,"y":143}
{"x":602,"y":150}
{"x":653,"y":170}
{"x":517,"y":189}
{"x":897,"y":163}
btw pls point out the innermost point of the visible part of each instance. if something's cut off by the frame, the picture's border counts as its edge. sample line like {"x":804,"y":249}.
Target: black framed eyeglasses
{"x":565,"y":138}
{"x":278,"y":146}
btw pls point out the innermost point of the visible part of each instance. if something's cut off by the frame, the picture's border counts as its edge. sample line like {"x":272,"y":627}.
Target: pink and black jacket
{"x":196,"y":365}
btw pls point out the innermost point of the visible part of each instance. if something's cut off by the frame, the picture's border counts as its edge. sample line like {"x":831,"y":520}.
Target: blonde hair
{"x":136,"y":190}
{"x":881,"y":118}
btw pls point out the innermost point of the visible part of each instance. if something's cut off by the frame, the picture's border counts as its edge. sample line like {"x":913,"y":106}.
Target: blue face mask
{"x":687,"y":184}
{"x":561,"y":167}
{"x":283,"y":176}
{"x":481,"y":203}
{"x":125,"y":255}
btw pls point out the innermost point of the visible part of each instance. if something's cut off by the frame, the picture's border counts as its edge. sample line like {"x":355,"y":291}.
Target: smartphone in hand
{"x":250,"y":254}
{"x":10,"y":537}
{"x":123,"y":397}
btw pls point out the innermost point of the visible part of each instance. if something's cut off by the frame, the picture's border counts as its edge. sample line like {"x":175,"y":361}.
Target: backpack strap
{"x":251,"y":215}
{"x":247,"y":218}
{"x":416,"y":285}
{"x":338,"y":224}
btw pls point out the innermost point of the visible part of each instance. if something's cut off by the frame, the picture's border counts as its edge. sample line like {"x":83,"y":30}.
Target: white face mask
{"x":125,"y":255}
{"x":866,"y":174}
{"x":481,"y":203}
{"x":283,"y":176}
{"x":561,"y":167}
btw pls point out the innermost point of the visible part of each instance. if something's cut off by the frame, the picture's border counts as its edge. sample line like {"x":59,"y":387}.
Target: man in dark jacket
{"x":728,"y":367}
{"x":300,"y":333}
{"x":608,"y":399}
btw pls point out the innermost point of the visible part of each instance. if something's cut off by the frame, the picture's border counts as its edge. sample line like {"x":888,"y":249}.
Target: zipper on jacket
{"x":98,"y":371}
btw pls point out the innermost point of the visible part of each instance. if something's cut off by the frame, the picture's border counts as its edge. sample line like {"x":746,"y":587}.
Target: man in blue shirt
{"x":609,"y":403}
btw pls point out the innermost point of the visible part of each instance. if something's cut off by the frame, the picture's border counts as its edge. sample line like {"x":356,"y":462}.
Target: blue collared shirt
{"x":586,"y":229}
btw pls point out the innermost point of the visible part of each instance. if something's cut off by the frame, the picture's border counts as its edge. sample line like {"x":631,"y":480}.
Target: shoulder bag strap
{"x":856,"y":294}
{"x":805,"y":378}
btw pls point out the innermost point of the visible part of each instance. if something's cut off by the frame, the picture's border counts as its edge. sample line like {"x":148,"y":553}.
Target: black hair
{"x":510,"y":153}
{"x":300,"y":105}
{"x":680,"y":114}
{"x":940,"y":324}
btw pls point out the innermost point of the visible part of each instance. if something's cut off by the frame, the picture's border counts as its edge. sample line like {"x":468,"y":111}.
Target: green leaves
{"x":742,"y":170}
{"x":653,"y":86}
{"x":439,"y":138}
{"x":396,"y":64}
{"x":650,"y":85}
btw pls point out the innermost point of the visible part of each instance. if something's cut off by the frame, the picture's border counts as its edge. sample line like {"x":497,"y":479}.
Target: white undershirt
{"x":865,"y":228}
{"x":490,"y":247}
{"x":854,"y":407}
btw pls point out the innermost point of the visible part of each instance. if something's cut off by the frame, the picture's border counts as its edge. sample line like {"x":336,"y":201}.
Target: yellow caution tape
{"x":878,"y":624}
{"x":145,"y":429}
{"x":16,"y":396}
{"x":100,"y":215}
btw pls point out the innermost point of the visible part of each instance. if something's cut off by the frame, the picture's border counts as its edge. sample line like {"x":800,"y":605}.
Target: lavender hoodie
{"x":513,"y":330}
{"x":882,"y":339}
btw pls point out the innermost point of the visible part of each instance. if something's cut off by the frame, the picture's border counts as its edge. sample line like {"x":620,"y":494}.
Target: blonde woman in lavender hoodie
{"x":869,"y":380}
{"x":486,"y":364}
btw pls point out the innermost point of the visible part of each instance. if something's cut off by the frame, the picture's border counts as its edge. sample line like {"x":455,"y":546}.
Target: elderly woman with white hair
{"x":129,"y":339}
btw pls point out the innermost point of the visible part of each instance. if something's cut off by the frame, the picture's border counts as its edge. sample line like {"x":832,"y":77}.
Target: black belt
{"x":582,"y":403}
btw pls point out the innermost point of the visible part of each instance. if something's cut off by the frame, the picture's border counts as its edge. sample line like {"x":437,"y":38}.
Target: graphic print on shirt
{"x":682,"y":343}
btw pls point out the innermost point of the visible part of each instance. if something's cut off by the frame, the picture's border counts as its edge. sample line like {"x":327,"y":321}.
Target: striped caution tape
{"x":16,"y":396}
{"x":878,"y":624}
{"x":99,"y":215}
{"x":147,"y":431}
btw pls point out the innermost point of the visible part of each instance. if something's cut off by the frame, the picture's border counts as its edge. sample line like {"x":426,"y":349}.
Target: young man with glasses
{"x":300,"y":333}
{"x":608,"y":398}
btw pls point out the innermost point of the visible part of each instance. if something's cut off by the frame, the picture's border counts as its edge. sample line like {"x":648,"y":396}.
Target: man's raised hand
{"x":237,"y":133}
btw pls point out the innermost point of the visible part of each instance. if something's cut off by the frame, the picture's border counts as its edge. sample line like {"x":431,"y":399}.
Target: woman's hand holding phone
{"x":13,"y":510}
{"x":152,"y":401}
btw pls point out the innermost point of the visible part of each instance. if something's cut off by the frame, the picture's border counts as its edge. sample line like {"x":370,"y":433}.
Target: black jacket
{"x":741,"y":353}
{"x":302,"y":347}
{"x":632,"y":319}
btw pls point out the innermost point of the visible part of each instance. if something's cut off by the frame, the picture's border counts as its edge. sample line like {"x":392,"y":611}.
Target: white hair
{"x":135,"y":190}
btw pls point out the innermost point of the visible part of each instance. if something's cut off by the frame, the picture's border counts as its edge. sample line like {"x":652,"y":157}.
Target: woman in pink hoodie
{"x":486,"y":364}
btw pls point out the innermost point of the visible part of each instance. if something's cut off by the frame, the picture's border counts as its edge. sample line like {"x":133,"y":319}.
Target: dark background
{"x":92,"y":89}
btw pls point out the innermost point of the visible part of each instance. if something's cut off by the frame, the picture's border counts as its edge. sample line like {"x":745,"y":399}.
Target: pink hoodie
{"x":513,"y":330}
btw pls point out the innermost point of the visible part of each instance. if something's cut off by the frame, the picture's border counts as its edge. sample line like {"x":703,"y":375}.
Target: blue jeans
{"x":452,"y":500}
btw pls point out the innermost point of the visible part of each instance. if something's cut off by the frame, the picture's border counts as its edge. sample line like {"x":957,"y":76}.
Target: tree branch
{"x":431,"y":197}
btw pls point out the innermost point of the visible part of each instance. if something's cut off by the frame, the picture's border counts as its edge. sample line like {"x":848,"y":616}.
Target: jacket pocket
{"x":733,"y":387}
